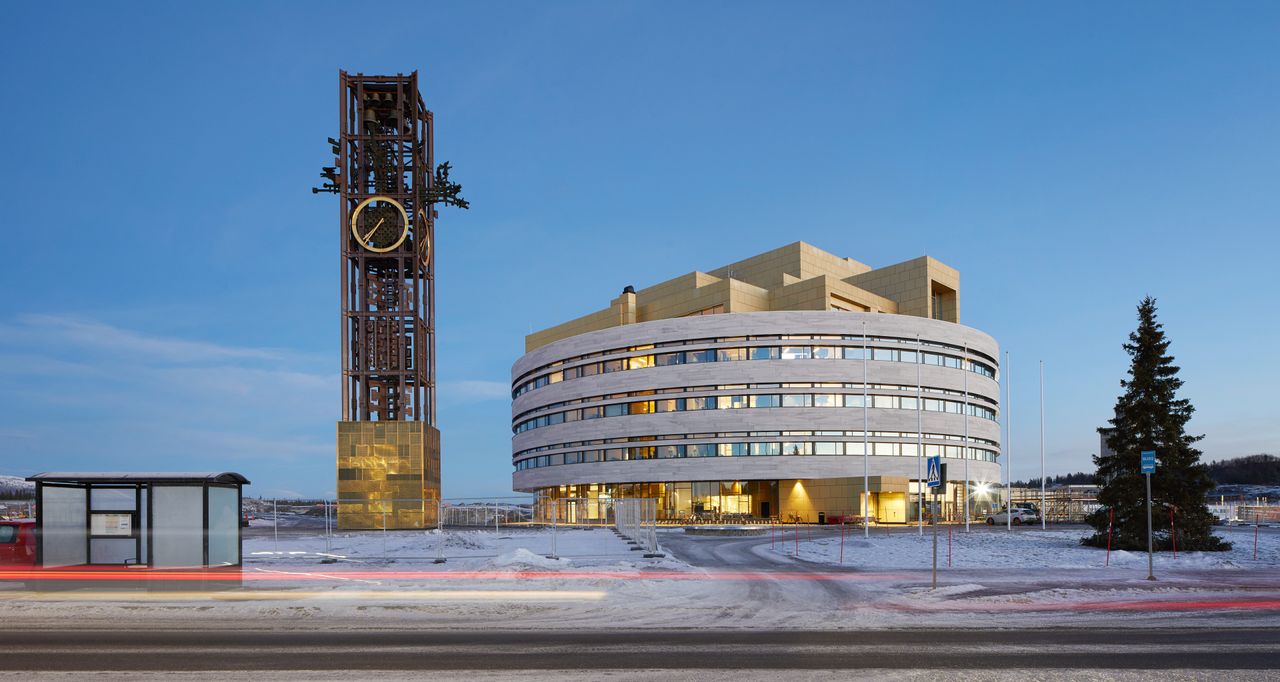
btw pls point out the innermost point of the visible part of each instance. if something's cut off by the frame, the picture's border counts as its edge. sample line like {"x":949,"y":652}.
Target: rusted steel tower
{"x":388,"y":443}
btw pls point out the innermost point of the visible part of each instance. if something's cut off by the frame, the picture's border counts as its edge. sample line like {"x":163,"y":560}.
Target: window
{"x":797,"y":448}
{"x":699,"y":403}
{"x":825,"y":353}
{"x":642,"y":453}
{"x":828,"y":448}
{"x":696,"y":356}
{"x":796,"y":352}
{"x":766,"y":401}
{"x":826,"y":400}
{"x":673,"y":405}
{"x":731,"y":402}
{"x":766,"y":449}
{"x":670,"y":451}
{"x":640,"y":362}
{"x":614,"y":455}
{"x":884,"y":401}
{"x":592,"y":412}
{"x":611,"y":366}
{"x":589,"y":370}
{"x":906,"y":356}
{"x":797,"y":400}
{"x":731,"y":354}
{"x":853,"y":401}
{"x":713,"y":310}
{"x":733,"y":450}
{"x":765,"y":353}
{"x":884,"y":449}
{"x":884,"y":354}
{"x":666,"y":359}
{"x":615,"y":410}
{"x":701,"y":450}
{"x":642,"y":407}
{"x":853,"y":354}
{"x":908,"y":403}
{"x":8,"y":535}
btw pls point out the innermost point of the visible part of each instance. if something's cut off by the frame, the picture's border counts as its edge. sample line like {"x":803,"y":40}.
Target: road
{"x":704,"y":649}
{"x":774,"y":636}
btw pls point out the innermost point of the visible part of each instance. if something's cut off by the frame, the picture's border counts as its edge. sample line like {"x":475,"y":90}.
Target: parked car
{"x":1020,"y":516}
{"x":17,"y":544}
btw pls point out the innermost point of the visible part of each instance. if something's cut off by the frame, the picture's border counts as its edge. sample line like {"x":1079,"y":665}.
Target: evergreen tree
{"x":1150,"y":416}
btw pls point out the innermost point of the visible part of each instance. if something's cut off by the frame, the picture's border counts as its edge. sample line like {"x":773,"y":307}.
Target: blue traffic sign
{"x":934,"y":471}
{"x":1148,"y":461}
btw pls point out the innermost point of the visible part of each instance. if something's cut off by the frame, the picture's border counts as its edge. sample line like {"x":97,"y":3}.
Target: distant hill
{"x":1251,"y":470}
{"x":1078,"y":478}
{"x":15,"y":488}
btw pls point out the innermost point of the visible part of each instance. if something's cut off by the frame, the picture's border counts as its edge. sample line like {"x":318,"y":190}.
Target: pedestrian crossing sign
{"x":934,"y":470}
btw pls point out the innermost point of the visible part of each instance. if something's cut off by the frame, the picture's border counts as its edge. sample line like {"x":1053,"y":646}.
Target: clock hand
{"x":375,"y":229}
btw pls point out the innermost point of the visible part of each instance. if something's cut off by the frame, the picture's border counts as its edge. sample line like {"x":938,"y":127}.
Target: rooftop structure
{"x":797,"y":276}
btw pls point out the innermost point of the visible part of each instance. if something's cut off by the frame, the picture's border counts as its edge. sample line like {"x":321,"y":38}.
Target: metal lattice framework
{"x":385,"y":149}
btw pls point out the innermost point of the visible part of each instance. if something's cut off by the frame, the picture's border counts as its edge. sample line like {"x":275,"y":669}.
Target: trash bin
{"x":822,"y":518}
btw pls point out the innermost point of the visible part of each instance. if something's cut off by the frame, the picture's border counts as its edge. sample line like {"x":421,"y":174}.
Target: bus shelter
{"x":152,"y":520}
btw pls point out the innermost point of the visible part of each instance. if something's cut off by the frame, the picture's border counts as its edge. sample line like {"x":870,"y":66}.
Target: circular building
{"x":761,"y":414}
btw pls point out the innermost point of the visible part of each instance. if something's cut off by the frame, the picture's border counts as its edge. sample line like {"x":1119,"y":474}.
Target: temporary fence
{"x":637,"y":521}
{"x":1265,"y":514}
{"x":422,"y":529}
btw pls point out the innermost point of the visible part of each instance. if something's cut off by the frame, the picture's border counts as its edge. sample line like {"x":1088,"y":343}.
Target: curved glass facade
{"x":771,"y":419}
{"x":761,"y":352}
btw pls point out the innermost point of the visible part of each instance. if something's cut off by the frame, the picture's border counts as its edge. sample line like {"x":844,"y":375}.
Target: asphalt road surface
{"x":171,"y":650}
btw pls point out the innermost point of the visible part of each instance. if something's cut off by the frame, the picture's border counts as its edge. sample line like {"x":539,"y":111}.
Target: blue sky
{"x":170,"y":286}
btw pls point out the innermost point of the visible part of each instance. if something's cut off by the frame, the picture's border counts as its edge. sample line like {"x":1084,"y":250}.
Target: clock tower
{"x":388,"y":454}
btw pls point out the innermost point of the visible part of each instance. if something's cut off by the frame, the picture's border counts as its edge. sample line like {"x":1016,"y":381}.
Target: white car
{"x":1021,"y":515}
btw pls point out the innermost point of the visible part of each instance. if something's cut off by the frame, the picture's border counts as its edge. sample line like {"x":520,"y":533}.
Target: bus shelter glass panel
{"x":62,"y":514}
{"x":178,"y":526}
{"x":224,"y":527}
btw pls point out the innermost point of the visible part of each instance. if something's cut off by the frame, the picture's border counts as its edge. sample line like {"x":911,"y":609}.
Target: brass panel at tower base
{"x":388,"y":475}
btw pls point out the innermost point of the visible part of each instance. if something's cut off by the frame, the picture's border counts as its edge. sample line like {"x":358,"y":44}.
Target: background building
{"x":755,"y":389}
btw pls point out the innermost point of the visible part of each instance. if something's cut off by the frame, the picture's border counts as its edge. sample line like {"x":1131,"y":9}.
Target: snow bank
{"x":1022,"y":549}
{"x":523,"y":558}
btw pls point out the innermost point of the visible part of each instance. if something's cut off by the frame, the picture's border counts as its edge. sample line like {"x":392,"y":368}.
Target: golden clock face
{"x":380,"y":224}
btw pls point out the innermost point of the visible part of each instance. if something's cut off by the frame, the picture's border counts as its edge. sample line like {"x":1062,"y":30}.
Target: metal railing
{"x":637,"y":521}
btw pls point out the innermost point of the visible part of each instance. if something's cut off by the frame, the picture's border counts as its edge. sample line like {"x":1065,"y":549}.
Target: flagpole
{"x":866,"y":476}
{"x":1044,"y":511}
{"x":967,"y":366}
{"x":919,"y":443}
{"x":1008,"y":441}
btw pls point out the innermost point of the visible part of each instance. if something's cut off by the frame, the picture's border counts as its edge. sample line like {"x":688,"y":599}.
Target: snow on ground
{"x":470,"y":549}
{"x":1025,"y":548}
{"x":503,"y":579}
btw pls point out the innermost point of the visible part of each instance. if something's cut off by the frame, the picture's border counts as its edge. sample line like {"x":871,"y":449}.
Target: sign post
{"x":937,"y":473}
{"x":1148,"y":467}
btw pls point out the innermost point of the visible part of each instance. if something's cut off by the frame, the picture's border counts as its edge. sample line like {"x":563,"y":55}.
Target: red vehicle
{"x":17,"y":544}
